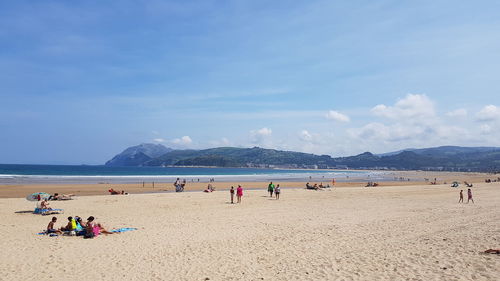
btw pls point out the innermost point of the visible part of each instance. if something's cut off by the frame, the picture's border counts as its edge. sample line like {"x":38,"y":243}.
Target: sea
{"x":94,"y":174}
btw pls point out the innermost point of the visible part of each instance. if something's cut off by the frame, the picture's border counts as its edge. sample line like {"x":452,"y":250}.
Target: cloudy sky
{"x":82,"y":80}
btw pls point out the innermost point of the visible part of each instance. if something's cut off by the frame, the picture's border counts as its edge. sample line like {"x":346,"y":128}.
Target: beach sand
{"x":352,"y":233}
{"x":416,"y":178}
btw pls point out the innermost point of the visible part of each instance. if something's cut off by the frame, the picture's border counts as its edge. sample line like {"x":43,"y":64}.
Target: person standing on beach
{"x":232,"y":194}
{"x":277,"y":191}
{"x":270,"y":189}
{"x":461,"y":200}
{"x":469,"y":196}
{"x":239,"y":193}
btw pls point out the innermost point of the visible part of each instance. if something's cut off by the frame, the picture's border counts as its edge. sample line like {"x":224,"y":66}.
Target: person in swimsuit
{"x":469,"y":196}
{"x":51,"y":228}
{"x":91,"y":225}
{"x":461,"y":200}
{"x":277,"y":191}
{"x":45,"y":205}
{"x":231,"y":191}
{"x":239,"y":193}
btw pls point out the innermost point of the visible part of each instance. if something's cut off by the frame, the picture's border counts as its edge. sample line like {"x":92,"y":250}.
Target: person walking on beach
{"x":277,"y":191}
{"x":270,"y":189}
{"x":239,"y":193}
{"x":469,"y":196}
{"x":461,"y":200}
{"x":232,"y":194}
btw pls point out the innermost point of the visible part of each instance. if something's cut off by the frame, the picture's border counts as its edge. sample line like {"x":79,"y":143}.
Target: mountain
{"x":237,"y":157}
{"x":139,"y":154}
{"x":443,"y":150}
{"x":444,"y":158}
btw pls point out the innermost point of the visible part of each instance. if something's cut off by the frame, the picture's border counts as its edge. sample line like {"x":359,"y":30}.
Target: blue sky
{"x":81,"y":81}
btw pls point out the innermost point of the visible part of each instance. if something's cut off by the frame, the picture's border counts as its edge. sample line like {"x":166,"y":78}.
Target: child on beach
{"x":461,"y":200}
{"x":239,"y":193}
{"x":277,"y":191}
{"x":69,"y":226}
{"x":51,"y":228}
{"x":270,"y":189}
{"x":232,"y":194}
{"x":469,"y":196}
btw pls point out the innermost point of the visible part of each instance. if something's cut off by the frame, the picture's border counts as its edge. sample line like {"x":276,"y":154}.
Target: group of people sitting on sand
{"x":371,"y":184}
{"x":490,"y":180}
{"x":76,"y":226}
{"x":316,"y":186}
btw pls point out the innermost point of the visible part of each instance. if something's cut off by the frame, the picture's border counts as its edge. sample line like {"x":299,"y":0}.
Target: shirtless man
{"x":51,"y":228}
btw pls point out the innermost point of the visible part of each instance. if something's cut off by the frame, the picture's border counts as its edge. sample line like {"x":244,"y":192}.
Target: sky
{"x":82,"y":80}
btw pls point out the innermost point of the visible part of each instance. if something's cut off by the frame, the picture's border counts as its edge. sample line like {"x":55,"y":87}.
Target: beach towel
{"x":123,"y":229}
{"x":49,"y":234}
{"x":47,"y":211}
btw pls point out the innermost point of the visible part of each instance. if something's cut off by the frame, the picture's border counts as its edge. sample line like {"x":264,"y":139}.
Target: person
{"x":69,"y":226}
{"x":469,"y":196}
{"x":277,"y":191}
{"x":96,"y":228}
{"x":493,"y":251}
{"x":113,"y":192}
{"x":51,"y":228}
{"x":210,"y":188}
{"x":231,"y":191}
{"x":461,"y":200}
{"x":56,"y":196}
{"x":45,"y":205}
{"x":270,"y":189}
{"x":333,"y":182}
{"x":79,"y":226}
{"x":239,"y":193}
{"x":179,"y":187}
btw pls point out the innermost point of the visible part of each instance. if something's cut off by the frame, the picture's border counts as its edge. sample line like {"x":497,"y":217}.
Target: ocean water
{"x":32,"y":174}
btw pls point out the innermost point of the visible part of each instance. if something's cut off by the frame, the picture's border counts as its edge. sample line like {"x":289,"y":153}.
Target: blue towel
{"x":123,"y":229}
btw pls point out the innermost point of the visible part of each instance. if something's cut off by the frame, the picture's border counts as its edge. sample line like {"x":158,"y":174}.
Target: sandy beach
{"x":408,"y":178}
{"x":416,"y":232}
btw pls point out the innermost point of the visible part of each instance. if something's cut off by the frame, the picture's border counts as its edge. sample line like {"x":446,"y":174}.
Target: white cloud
{"x":185,"y":140}
{"x":485,"y":129}
{"x":222,"y":142}
{"x":261,"y":137}
{"x":410,"y":108}
{"x":488,"y":113}
{"x":337,"y":116}
{"x":264,"y":132}
{"x":458,"y":113}
{"x":160,"y":140}
{"x":305,"y":136}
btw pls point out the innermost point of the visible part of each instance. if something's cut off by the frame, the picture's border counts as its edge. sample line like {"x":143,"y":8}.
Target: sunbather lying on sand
{"x":58,"y":196}
{"x":493,"y":251}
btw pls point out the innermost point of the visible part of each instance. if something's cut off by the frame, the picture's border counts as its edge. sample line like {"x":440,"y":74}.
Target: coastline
{"x":391,"y":178}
